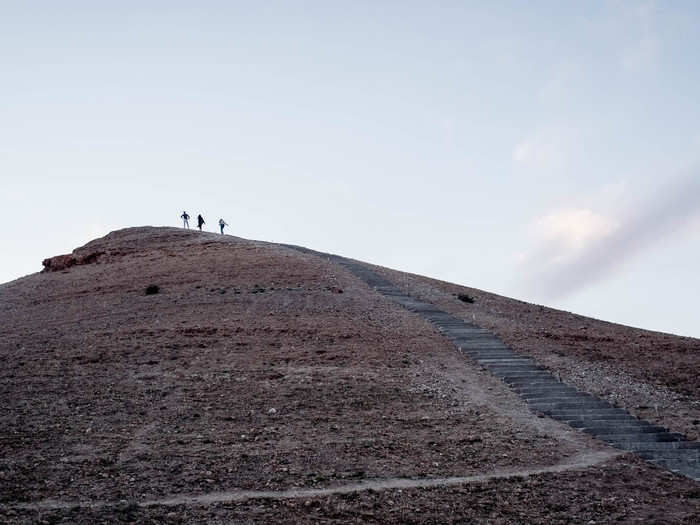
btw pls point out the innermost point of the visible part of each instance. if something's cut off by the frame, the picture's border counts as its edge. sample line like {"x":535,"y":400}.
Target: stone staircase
{"x":539,"y":388}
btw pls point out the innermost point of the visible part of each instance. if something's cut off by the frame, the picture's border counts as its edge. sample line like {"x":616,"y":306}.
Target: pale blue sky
{"x":548,"y":151}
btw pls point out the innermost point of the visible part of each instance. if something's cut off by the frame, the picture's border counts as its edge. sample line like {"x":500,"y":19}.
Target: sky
{"x":543,"y":150}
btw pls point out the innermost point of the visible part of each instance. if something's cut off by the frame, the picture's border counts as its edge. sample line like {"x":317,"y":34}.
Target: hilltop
{"x":159,"y":374}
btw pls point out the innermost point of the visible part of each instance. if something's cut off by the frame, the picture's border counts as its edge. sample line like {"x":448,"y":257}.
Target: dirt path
{"x":580,"y":461}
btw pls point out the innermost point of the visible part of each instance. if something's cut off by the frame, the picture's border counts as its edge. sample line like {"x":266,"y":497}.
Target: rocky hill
{"x":163,"y":375}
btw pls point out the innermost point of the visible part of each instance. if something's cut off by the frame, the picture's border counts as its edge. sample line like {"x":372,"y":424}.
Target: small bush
{"x":152,"y":289}
{"x":465,"y":298}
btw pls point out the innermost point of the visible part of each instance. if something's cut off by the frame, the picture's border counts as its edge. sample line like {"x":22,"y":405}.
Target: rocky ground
{"x":158,"y":365}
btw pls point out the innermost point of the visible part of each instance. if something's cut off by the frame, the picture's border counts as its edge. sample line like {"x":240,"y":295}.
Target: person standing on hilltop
{"x":200,"y":221}
{"x":222,"y":223}
{"x":185,"y":219}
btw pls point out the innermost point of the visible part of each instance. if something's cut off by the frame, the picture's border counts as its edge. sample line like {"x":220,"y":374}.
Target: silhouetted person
{"x":200,"y":221}
{"x":222,"y":223}
{"x":186,"y":219}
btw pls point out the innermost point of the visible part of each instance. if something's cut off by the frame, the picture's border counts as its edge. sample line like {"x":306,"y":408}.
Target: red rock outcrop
{"x":62,"y":262}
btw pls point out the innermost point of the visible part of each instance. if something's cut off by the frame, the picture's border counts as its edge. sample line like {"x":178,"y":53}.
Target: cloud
{"x":578,"y":247}
{"x":570,"y":232}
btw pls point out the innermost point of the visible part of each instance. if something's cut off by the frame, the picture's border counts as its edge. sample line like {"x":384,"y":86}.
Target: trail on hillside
{"x":580,"y":461}
{"x":538,"y":387}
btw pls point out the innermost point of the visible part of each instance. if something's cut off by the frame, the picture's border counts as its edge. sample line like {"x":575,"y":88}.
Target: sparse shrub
{"x":465,"y":298}
{"x":152,"y":289}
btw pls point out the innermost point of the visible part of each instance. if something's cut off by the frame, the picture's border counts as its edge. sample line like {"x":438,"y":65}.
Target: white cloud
{"x":575,"y":247}
{"x":569,"y":232}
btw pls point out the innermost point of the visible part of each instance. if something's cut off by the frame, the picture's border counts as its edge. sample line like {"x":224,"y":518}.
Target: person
{"x":200,"y":221}
{"x":186,"y":219}
{"x":222,"y":223}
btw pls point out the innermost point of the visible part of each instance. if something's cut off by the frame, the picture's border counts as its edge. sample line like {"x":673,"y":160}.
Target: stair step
{"x":637,"y":437}
{"x":605,"y":420}
{"x":577,"y":415}
{"x":646,"y":446}
{"x":681,"y":454}
{"x":553,"y":389}
{"x":529,"y":382}
{"x":549,"y":407}
{"x":524,"y":375}
{"x":487,"y":354}
{"x":508,"y":361}
{"x":622,"y":430}
{"x":555,"y":396}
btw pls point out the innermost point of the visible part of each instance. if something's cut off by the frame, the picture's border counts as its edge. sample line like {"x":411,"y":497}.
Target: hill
{"x":164,"y":375}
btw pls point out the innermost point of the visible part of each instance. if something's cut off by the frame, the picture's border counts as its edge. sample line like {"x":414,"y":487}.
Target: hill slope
{"x":259,"y":368}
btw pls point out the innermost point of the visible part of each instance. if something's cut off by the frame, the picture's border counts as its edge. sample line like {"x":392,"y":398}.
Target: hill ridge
{"x":257,"y":368}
